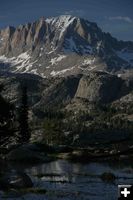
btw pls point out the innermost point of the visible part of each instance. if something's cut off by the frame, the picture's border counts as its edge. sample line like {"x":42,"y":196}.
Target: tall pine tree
{"x":24,"y":132}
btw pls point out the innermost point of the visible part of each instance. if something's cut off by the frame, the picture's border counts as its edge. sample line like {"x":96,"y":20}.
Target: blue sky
{"x":114,"y":16}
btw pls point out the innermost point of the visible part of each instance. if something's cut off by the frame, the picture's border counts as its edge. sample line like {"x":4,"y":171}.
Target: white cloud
{"x":122,"y":18}
{"x":74,"y":13}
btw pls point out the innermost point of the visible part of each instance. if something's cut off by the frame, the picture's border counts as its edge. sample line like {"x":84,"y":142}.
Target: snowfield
{"x":55,"y":60}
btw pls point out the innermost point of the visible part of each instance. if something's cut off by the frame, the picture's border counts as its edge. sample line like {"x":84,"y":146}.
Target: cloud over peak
{"x":122,"y":18}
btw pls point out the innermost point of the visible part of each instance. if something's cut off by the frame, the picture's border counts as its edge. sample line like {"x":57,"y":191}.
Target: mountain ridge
{"x":61,"y":46}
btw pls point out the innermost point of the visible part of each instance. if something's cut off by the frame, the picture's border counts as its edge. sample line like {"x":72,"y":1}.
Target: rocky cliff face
{"x":95,"y":88}
{"x":62,"y":46}
{"x":81,"y":97}
{"x":99,"y":87}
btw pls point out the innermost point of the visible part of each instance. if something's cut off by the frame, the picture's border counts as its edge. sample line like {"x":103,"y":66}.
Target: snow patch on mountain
{"x":55,"y":73}
{"x":88,"y":64}
{"x":34,"y":71}
{"x":3,"y":59}
{"x":20,"y":63}
{"x":24,"y":56}
{"x":61,"y":23}
{"x":50,"y":52}
{"x":71,"y":46}
{"x":1,"y":40}
{"x":99,"y":45}
{"x":88,"y":61}
{"x":55,"y":60}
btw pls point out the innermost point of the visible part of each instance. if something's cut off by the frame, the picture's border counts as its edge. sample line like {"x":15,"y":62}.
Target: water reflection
{"x":62,"y":167}
{"x":76,"y":181}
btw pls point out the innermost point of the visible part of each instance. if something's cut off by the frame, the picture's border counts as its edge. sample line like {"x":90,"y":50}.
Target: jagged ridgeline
{"x":63,"y":45}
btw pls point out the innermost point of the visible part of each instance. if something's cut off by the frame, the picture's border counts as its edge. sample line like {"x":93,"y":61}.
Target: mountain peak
{"x":63,"y":44}
{"x":61,"y":23}
{"x":62,"y":18}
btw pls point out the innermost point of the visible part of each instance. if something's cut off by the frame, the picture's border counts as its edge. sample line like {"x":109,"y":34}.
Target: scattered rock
{"x":16,"y":180}
{"x":21,"y":180}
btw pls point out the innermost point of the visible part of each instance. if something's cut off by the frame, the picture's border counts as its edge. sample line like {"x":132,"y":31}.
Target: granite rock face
{"x":96,"y":87}
{"x":99,"y":87}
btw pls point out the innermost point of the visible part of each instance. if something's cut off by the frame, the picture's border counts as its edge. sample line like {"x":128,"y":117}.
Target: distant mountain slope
{"x":95,"y":88}
{"x":61,"y":46}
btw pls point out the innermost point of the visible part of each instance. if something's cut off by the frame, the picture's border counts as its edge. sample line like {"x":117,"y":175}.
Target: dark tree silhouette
{"x":6,"y":121}
{"x":24,"y":133}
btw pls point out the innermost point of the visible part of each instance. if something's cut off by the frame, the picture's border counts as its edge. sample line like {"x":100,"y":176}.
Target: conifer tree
{"x":24,"y":133}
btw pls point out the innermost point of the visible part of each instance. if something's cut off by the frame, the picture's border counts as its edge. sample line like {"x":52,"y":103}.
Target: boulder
{"x":20,"y":180}
{"x":16,"y":180}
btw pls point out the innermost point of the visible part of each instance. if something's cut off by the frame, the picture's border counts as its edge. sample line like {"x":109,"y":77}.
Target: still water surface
{"x":76,"y":181}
